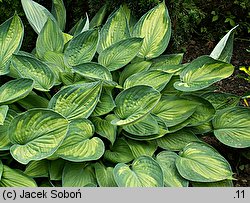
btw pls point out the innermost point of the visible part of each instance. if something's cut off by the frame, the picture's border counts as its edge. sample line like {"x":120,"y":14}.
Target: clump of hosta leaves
{"x":101,"y":106}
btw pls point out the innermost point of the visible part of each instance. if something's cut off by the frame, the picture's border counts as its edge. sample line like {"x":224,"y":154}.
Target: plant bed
{"x":101,"y":106}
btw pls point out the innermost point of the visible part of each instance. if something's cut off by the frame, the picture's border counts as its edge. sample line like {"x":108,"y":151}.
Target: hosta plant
{"x":102,"y":105}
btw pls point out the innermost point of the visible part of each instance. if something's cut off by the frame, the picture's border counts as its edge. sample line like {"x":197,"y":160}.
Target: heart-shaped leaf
{"x":232,"y":127}
{"x":78,"y":175}
{"x":224,"y":49}
{"x":172,"y":178}
{"x":114,"y":30}
{"x":203,"y":72}
{"x":174,"y":109}
{"x":76,"y":101}
{"x":104,"y":175}
{"x":59,"y":12}
{"x":134,"y":103}
{"x":176,"y":141}
{"x":120,"y":54}
{"x":15,"y":90}
{"x":36,"y":134}
{"x":144,"y":172}
{"x":49,"y":39}
{"x":37,"y":169}
{"x":201,"y":163}
{"x":36,"y":14}
{"x":155,"y":28}
{"x":5,"y":143}
{"x":3,"y":113}
{"x":154,"y":78}
{"x":30,"y":67}
{"x":11,"y":36}
{"x":119,"y":152}
{"x":79,"y":145}
{"x":82,"y":48}
{"x":15,"y":178}
{"x":104,"y":128}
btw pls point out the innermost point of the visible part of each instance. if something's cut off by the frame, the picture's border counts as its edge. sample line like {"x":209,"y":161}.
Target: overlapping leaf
{"x":144,"y":172}
{"x":11,"y":36}
{"x":201,"y":163}
{"x":232,"y":127}
{"x":104,"y":175}
{"x":15,"y":90}
{"x":155,"y":28}
{"x":79,"y":144}
{"x":120,"y":54}
{"x":76,"y":101}
{"x":3,"y":113}
{"x":203,"y":72}
{"x":36,"y":134}
{"x":134,"y":103}
{"x":30,"y":67}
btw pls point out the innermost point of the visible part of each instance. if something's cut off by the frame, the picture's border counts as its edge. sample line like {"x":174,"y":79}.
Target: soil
{"x":235,"y":84}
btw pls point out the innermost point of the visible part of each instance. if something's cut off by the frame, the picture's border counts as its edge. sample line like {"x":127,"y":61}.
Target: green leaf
{"x":203,"y":128}
{"x":95,"y":72}
{"x":1,"y":169}
{"x":145,"y":126}
{"x":33,"y":101}
{"x":221,"y":100}
{"x":133,"y":68}
{"x":97,"y":20}
{"x":222,"y":183}
{"x":201,"y":163}
{"x":134,"y":103}
{"x":37,"y":169}
{"x":203,"y":72}
{"x":224,"y":49}
{"x":82,"y":48}
{"x":154,"y":78}
{"x":15,"y":90}
{"x":119,"y":152}
{"x":36,"y":134}
{"x":30,"y":67}
{"x":174,"y":109}
{"x":76,"y":101}
{"x":140,"y":148}
{"x":155,"y":28}
{"x":232,"y":127}
{"x":81,"y":26}
{"x":11,"y":36}
{"x":114,"y":30}
{"x":56,"y":169}
{"x":79,"y":144}
{"x":144,"y":172}
{"x":104,"y":175}
{"x":170,"y":69}
{"x":78,"y":175}
{"x":49,"y":39}
{"x":204,"y":111}
{"x":105,"y":105}
{"x":176,"y":141}
{"x":5,"y":143}
{"x":120,"y":54}
{"x":172,"y":178}
{"x":3,"y":113}
{"x":104,"y":128}
{"x":166,"y":60}
{"x":15,"y":178}
{"x":36,"y":14}
{"x":59,"y":12}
